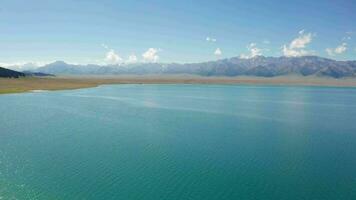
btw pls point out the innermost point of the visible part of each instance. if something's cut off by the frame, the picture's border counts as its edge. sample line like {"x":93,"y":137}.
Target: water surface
{"x":179,"y":142}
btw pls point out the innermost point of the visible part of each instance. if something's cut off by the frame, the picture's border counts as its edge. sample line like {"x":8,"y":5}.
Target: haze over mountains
{"x":235,"y":66}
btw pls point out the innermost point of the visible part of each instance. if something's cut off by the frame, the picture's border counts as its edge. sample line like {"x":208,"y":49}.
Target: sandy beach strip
{"x":11,"y":85}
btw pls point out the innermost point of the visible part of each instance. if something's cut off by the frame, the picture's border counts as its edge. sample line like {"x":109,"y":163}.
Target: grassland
{"x":11,"y":85}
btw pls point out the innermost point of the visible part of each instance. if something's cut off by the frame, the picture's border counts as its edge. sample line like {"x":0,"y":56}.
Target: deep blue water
{"x":179,"y":142}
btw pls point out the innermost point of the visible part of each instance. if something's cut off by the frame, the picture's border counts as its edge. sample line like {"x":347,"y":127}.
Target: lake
{"x":179,"y":142}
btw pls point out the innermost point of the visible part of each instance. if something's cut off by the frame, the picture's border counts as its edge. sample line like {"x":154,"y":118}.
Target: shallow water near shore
{"x":158,"y":141}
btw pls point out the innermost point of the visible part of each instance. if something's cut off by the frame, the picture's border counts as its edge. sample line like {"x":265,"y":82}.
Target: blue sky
{"x":173,"y":31}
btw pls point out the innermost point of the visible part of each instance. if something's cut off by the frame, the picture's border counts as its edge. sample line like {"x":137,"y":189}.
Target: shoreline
{"x":28,"y":84}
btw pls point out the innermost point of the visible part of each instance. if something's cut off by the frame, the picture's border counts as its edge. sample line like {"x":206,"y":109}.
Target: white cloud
{"x":301,"y":32}
{"x":294,"y":52}
{"x":297,"y":46}
{"x":337,"y":50}
{"x":253,"y":51}
{"x":341,"y":48}
{"x":329,"y":51}
{"x":209,"y":39}
{"x":151,"y":55}
{"x":112,"y":57}
{"x":301,"y":41}
{"x":218,"y":52}
{"x":346,"y":38}
{"x":132,"y":59}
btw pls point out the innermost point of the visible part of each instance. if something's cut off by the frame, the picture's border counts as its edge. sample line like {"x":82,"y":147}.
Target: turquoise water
{"x":179,"y":142}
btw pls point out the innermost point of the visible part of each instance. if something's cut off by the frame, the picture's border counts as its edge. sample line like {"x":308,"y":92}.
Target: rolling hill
{"x":7,"y":73}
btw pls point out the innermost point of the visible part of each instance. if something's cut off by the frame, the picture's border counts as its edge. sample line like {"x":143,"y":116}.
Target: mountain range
{"x":235,"y":66}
